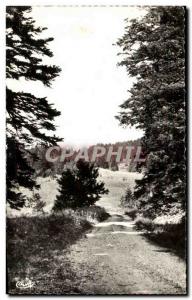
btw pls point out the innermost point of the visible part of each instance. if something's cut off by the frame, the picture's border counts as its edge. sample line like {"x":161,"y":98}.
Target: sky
{"x":91,"y":86}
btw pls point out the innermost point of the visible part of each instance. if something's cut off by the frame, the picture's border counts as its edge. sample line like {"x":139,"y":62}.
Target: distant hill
{"x":45,"y":168}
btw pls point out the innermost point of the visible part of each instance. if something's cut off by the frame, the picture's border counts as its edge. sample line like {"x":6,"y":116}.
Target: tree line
{"x":45,"y":168}
{"x":153,"y":52}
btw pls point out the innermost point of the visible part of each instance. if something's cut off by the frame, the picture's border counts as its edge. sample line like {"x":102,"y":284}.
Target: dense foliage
{"x":78,"y":187}
{"x":153,"y":54}
{"x":28,"y":116}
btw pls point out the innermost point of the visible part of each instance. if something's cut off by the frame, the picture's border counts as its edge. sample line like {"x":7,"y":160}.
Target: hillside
{"x":116,"y":182}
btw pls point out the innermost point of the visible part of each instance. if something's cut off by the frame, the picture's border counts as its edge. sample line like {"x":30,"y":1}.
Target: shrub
{"x":145,"y":224}
{"x":38,"y":203}
{"x":92,"y":214}
{"x":126,"y":200}
{"x":132,"y":213}
{"x":171,"y":236}
{"x":34,"y":245}
{"x":78,"y":187}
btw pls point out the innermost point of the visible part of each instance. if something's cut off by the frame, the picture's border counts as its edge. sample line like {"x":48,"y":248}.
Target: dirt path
{"x":115,"y":259}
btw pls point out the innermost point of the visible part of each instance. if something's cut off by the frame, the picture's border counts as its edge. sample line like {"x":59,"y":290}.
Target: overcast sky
{"x":91,"y":86}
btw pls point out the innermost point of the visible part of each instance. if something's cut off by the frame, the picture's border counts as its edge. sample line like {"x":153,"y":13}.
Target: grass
{"x":93,"y":214}
{"x":170,"y":236}
{"x":36,"y":248}
{"x":168,"y":233}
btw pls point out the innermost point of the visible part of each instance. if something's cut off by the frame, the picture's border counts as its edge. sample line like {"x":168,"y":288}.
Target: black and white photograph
{"x":96,"y":150}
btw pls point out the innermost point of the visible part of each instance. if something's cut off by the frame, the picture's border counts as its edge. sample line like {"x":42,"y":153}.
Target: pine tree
{"x":28,"y":116}
{"x":153,"y":54}
{"x":78,"y":187}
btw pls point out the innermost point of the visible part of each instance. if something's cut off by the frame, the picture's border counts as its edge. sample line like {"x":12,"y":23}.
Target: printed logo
{"x":24,"y":284}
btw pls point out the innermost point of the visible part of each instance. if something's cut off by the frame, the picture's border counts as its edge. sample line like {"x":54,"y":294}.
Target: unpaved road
{"x":115,"y":259}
